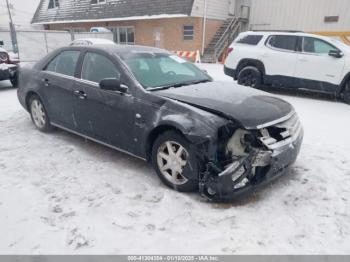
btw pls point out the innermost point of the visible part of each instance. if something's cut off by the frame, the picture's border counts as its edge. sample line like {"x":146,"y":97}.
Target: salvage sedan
{"x":199,"y":135}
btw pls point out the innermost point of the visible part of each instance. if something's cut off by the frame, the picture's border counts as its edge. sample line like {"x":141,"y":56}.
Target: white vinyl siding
{"x":216,"y":9}
{"x":299,"y":15}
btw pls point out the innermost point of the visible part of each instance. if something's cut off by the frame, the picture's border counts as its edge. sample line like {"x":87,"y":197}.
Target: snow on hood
{"x":246,"y":105}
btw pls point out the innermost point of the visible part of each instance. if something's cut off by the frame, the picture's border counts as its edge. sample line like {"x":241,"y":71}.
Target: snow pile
{"x":61,"y":194}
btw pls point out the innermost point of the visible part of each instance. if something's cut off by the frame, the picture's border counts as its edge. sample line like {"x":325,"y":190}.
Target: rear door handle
{"x":80,"y":94}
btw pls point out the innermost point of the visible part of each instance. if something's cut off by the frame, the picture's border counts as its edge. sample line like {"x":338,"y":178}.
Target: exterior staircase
{"x":222,"y":39}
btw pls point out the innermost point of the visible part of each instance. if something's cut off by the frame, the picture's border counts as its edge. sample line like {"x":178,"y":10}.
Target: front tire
{"x":250,"y":76}
{"x":175,"y":162}
{"x":346,"y":93}
{"x":39,"y":115}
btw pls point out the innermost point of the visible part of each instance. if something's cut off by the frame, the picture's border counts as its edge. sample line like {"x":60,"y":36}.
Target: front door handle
{"x":80,"y":94}
{"x":303,"y":59}
{"x":46,"y":82}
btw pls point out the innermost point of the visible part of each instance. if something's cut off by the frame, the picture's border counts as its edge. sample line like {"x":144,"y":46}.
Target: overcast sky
{"x":22,"y":13}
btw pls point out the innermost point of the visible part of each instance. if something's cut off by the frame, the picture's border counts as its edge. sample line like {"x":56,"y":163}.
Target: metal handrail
{"x":233,"y":21}
{"x":227,"y":36}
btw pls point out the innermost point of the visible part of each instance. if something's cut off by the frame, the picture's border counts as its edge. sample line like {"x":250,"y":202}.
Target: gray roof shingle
{"x":75,"y":10}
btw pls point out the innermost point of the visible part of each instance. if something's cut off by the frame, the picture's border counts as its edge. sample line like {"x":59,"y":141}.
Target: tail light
{"x":4,"y":58}
{"x":229,"y":51}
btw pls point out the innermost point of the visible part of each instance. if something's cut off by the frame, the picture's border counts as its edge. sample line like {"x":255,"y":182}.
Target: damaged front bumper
{"x":7,"y":71}
{"x":250,"y":173}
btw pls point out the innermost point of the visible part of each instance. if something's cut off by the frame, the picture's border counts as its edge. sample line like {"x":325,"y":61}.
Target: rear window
{"x":284,"y":42}
{"x":64,"y":63}
{"x":250,"y":39}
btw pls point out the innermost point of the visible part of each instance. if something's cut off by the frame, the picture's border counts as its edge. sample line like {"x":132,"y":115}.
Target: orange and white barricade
{"x":190,"y":55}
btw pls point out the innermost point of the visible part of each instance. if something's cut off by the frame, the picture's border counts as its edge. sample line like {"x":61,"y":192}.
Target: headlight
{"x":238,"y":143}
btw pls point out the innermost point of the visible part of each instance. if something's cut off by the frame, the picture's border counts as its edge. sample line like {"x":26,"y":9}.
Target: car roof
{"x":91,"y":41}
{"x":110,"y":46}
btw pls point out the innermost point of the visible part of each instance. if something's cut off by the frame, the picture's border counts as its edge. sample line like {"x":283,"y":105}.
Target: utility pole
{"x":204,"y":29}
{"x":12,"y":30}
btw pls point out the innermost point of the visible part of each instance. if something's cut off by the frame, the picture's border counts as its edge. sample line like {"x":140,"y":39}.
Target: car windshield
{"x":159,"y":70}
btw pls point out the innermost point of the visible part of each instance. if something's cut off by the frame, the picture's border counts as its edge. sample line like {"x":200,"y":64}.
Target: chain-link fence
{"x":34,"y":44}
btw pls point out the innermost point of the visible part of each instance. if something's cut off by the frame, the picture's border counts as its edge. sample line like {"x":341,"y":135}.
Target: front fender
{"x":197,"y":126}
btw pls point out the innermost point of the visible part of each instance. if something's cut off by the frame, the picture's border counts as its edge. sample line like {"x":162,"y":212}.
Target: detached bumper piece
{"x":7,"y":71}
{"x":258,"y":168}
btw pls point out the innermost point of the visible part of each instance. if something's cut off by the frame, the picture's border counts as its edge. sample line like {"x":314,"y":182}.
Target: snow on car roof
{"x":92,"y":41}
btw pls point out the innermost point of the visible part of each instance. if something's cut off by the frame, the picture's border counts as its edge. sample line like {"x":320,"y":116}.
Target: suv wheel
{"x":250,"y":76}
{"x":346,"y":93}
{"x":171,"y":158}
{"x":39,"y":115}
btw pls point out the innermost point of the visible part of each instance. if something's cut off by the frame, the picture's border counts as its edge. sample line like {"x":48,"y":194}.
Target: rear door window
{"x":283,"y":42}
{"x":65,"y":63}
{"x":250,"y":39}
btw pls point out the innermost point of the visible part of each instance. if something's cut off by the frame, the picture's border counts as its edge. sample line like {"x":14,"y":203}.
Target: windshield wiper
{"x":188,"y":83}
{"x":196,"y":82}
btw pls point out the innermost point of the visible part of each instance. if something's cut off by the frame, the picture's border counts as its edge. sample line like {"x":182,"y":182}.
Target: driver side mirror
{"x":336,"y":53}
{"x":113,"y":84}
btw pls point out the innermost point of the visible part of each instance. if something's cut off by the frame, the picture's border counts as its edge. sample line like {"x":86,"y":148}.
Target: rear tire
{"x":172,"y":158}
{"x":39,"y":115}
{"x":250,"y":76}
{"x":346,"y":93}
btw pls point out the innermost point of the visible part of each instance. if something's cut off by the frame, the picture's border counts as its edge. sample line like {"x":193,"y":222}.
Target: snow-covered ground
{"x":61,"y":194}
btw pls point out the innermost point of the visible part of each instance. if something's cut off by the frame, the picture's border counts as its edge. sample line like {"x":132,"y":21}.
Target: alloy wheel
{"x":248,"y":79}
{"x":171,"y":159}
{"x":38,"y":113}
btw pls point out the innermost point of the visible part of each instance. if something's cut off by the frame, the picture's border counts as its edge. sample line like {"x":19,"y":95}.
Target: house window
{"x":95,"y":2}
{"x":75,"y":29}
{"x":54,"y":4}
{"x":188,"y":32}
{"x":331,"y":19}
{"x":124,"y":35}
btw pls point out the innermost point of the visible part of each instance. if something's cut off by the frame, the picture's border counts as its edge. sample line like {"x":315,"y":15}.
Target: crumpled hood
{"x":246,"y":105}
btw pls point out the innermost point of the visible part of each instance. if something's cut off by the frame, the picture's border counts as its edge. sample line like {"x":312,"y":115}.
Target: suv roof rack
{"x":280,"y":31}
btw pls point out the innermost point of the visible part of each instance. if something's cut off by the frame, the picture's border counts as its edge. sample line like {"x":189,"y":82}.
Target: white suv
{"x":291,"y":59}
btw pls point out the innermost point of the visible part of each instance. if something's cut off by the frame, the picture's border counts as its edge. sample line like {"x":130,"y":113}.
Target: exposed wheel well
{"x":343,"y":84}
{"x":156,"y":133}
{"x":250,"y":62}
